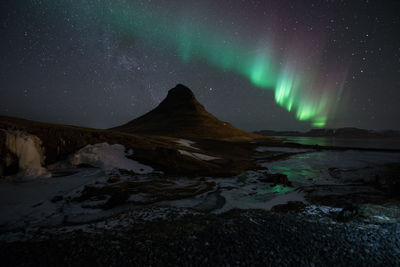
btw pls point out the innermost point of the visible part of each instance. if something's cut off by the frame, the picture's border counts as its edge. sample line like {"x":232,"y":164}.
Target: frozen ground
{"x":30,"y":202}
{"x":49,"y":202}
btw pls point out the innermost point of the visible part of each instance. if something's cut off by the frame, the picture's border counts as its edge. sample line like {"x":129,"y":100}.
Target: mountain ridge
{"x":345,"y":132}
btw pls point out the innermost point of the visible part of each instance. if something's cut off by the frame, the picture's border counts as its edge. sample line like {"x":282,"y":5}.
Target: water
{"x":380,"y":143}
{"x":305,"y":169}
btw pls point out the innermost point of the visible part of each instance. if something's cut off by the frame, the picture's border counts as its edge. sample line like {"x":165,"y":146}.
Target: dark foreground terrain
{"x":178,"y":187}
{"x":236,"y":238}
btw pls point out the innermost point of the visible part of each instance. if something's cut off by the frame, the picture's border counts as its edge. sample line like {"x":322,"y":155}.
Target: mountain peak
{"x":181,"y":115}
{"x":181,"y":91}
{"x":180,"y":97}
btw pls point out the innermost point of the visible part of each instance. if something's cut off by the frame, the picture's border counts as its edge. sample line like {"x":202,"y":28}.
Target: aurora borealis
{"x":250,"y":56}
{"x":294,"y":89}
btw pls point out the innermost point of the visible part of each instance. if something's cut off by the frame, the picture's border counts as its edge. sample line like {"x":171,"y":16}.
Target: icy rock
{"x":29,"y":153}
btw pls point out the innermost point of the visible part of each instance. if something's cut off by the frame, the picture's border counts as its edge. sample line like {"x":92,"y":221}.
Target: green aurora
{"x":295,"y":90}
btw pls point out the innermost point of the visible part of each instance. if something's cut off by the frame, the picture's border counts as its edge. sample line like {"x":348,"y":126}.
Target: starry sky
{"x":279,"y":65}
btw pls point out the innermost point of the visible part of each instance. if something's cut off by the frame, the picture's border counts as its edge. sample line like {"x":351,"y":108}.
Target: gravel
{"x":235,"y":238}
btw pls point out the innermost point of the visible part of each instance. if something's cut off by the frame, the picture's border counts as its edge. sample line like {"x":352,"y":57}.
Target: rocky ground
{"x":339,"y":226}
{"x":235,"y":238}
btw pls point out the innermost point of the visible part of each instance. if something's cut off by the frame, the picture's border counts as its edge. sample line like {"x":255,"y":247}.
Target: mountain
{"x":181,"y":115}
{"x":347,"y":132}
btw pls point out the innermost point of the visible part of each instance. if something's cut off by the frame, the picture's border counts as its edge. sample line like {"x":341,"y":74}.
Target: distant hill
{"x":181,"y":115}
{"x":221,"y":149}
{"x":347,"y":132}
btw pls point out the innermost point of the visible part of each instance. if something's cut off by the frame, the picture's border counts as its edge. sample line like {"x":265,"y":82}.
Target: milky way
{"x":297,"y":82}
{"x":317,"y":62}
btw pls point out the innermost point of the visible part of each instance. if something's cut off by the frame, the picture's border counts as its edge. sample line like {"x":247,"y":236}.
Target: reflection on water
{"x":383,"y":143}
{"x":314,"y":167}
{"x":247,"y":191}
{"x":280,"y":189}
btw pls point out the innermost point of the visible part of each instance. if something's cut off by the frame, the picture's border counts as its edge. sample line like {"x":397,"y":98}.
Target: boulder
{"x":275,"y":179}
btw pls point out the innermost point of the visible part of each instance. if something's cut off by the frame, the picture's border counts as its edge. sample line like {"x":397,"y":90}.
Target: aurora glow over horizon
{"x":282,"y":65}
{"x":295,"y":89}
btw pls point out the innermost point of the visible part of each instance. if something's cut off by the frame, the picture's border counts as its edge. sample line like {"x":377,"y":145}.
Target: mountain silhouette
{"x":181,"y":115}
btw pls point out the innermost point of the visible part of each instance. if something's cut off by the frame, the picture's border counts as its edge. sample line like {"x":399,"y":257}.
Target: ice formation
{"x":28,"y":149}
{"x":108,"y":157}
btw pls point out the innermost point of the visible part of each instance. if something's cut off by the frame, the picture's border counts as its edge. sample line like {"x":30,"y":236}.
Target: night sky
{"x":280,"y":65}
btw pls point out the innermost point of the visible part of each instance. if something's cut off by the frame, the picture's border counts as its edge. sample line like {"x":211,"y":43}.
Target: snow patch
{"x":321,"y":210}
{"x":28,"y":149}
{"x":186,"y":143}
{"x":197,"y":156}
{"x":108,"y":157}
{"x":382,"y":218}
